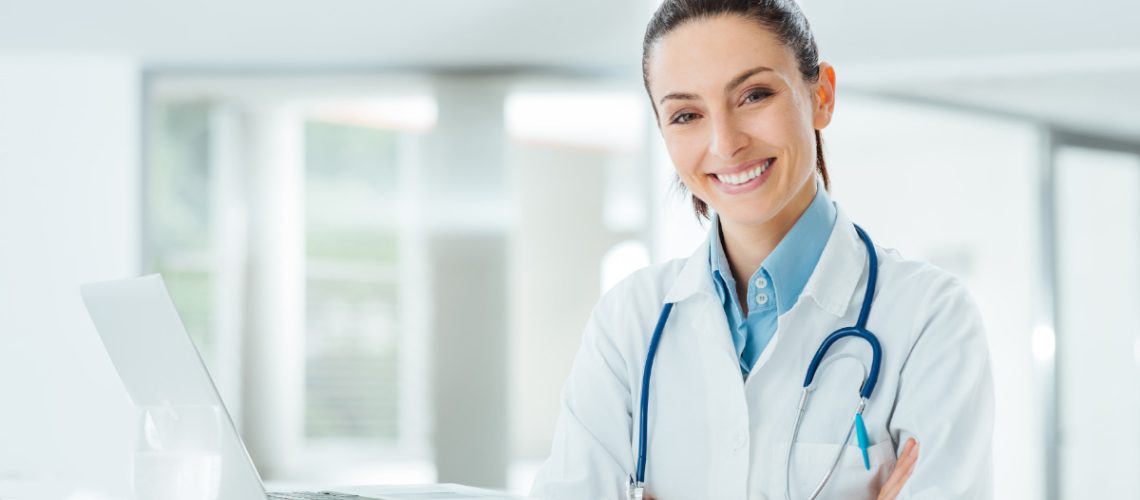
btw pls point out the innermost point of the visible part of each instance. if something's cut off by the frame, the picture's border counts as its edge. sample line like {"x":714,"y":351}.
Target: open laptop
{"x":158,"y":364}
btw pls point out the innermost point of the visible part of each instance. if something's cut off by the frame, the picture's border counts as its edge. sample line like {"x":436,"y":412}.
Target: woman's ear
{"x":824,"y":98}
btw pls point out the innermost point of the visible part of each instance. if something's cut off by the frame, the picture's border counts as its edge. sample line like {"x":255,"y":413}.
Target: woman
{"x":740,"y":98}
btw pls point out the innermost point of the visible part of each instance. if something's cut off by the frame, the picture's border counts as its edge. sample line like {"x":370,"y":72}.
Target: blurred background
{"x":385,"y":223}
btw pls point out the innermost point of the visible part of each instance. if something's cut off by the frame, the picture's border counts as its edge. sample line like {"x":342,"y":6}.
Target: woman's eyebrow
{"x":682,"y":96}
{"x":732,"y":84}
{"x":735,"y":82}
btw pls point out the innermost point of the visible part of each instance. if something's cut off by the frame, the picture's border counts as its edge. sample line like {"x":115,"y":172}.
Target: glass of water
{"x":178,"y":452}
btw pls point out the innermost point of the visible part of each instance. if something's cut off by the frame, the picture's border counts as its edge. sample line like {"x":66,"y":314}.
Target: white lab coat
{"x":714,"y":435}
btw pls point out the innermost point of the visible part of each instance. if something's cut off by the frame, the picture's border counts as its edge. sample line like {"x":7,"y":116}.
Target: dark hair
{"x":782,"y":17}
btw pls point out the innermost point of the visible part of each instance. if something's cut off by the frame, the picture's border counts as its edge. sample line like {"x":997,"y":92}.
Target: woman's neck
{"x":746,"y":246}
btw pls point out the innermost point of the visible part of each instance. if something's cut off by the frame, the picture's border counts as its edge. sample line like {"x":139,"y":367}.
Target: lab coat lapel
{"x":699,"y":308}
{"x":831,"y":285}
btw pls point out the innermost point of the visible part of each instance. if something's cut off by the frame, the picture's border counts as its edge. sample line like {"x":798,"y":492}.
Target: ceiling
{"x":1069,"y":63}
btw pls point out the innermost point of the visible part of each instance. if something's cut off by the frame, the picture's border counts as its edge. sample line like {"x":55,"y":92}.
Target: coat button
{"x":740,"y":441}
{"x":761,"y":283}
{"x":762,"y":298}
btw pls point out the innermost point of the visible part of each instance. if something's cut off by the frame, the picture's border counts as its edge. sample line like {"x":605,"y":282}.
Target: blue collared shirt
{"x":774,"y":288}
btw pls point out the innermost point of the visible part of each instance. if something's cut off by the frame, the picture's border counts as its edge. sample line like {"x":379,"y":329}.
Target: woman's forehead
{"x":703,"y":55}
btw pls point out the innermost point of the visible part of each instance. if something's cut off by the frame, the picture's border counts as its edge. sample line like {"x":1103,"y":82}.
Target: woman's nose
{"x":727,"y":139}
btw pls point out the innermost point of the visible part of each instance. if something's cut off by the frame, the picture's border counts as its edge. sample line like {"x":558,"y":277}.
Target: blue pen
{"x":861,"y":434}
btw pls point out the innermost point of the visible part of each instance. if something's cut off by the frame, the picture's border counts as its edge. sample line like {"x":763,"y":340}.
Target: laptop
{"x":159,"y":365}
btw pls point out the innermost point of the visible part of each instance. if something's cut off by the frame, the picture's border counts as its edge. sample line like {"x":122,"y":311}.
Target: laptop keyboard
{"x":314,"y":495}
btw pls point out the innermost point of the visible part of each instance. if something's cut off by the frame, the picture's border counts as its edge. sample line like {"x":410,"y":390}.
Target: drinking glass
{"x":178,"y":452}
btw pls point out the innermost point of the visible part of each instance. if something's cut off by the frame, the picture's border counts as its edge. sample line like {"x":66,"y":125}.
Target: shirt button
{"x":762,"y":298}
{"x":761,"y":283}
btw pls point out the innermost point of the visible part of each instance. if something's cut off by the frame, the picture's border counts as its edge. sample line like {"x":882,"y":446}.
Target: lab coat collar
{"x":840,"y":267}
{"x":695,"y":276}
{"x":831,"y":283}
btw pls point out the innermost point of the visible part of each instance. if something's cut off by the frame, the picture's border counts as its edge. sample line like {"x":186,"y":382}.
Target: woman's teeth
{"x":743,"y":177}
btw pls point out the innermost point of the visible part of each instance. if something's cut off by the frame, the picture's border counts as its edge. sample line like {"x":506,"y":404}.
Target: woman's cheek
{"x":686,"y":155}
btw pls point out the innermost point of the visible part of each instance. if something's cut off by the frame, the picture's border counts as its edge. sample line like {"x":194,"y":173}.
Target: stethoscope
{"x":636,"y":486}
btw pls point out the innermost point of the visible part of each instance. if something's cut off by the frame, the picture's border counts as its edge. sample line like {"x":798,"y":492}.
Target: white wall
{"x":1098,"y":344}
{"x":560,"y":206}
{"x":69,"y":203}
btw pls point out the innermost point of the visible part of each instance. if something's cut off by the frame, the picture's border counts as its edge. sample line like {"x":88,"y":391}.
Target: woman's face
{"x":737,"y":117}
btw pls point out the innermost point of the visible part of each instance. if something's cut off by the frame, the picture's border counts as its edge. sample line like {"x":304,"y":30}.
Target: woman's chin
{"x":741,"y":214}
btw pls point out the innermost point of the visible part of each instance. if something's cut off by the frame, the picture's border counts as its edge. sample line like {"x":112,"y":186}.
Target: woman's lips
{"x":750,"y":185}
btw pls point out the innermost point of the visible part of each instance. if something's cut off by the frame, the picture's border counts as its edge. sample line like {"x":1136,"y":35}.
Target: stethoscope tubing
{"x":641,"y":439}
{"x":858,"y":330}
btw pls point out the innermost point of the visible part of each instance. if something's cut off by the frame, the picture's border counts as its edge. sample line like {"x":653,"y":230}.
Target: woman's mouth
{"x":744,"y":181}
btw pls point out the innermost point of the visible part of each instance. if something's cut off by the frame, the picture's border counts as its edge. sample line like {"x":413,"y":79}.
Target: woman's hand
{"x":903,"y":468}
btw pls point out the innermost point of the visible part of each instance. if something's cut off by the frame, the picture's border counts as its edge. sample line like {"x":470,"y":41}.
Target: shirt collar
{"x":718,"y":261}
{"x":790,"y":263}
{"x":840,"y":267}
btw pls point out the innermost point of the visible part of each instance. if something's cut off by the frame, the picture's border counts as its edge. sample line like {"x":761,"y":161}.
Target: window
{"x":352,"y":282}
{"x":364,"y":396}
{"x":177,"y":242}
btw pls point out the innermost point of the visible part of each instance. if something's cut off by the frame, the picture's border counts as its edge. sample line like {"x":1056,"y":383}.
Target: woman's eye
{"x":756,"y":95}
{"x":683,"y":118}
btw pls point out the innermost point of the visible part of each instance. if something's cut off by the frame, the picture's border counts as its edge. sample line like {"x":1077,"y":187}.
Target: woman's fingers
{"x":903,"y":468}
{"x":893,"y":485}
{"x":902,"y":471}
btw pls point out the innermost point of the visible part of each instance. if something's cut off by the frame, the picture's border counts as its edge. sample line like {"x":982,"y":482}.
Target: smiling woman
{"x":769,"y":107}
{"x":786,"y":39}
{"x":686,"y":382}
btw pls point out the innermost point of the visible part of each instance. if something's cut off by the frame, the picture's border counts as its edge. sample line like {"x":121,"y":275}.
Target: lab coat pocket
{"x":851,"y":479}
